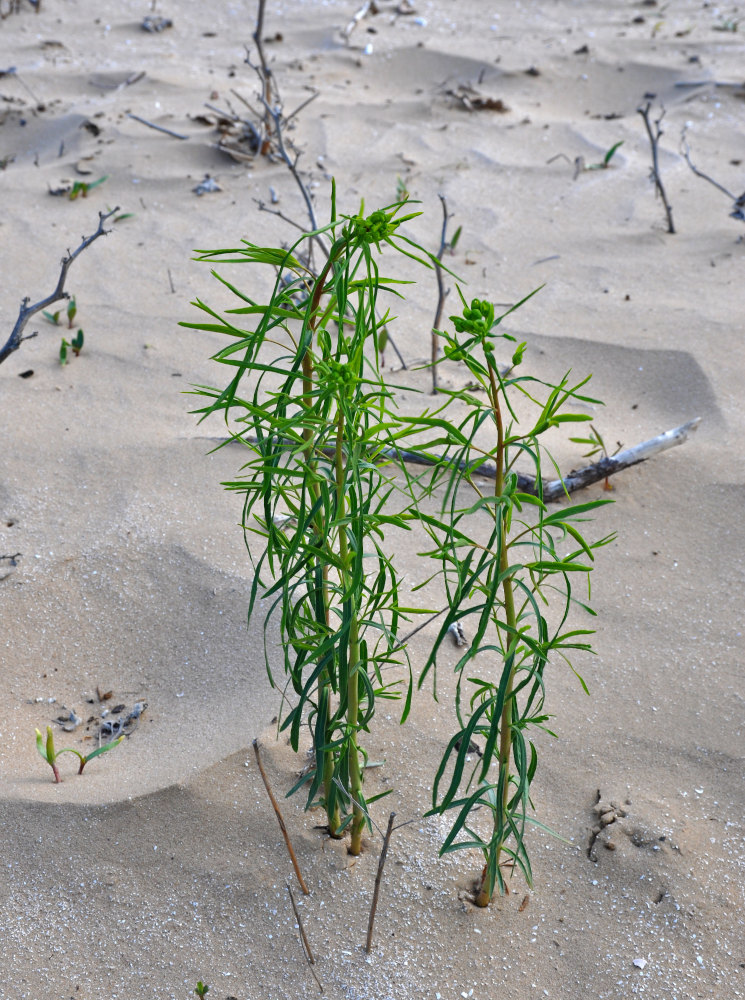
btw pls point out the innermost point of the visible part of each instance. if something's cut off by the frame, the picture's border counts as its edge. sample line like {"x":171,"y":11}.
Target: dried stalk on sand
{"x":26,"y":311}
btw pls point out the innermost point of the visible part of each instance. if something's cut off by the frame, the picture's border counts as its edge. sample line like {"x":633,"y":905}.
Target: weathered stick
{"x":654,"y":140}
{"x":369,"y":7}
{"x":378,"y":878}
{"x":280,"y":820}
{"x":554,"y":489}
{"x":26,"y":311}
{"x":158,"y":128}
{"x":441,"y":292}
{"x":304,"y":940}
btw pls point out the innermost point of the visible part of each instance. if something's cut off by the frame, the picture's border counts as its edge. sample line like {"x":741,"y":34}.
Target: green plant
{"x":76,"y":344}
{"x":605,"y":163}
{"x":597,"y":447}
{"x":507,"y":570}
{"x":52,"y":317}
{"x":201,"y":989}
{"x":317,"y":420}
{"x":50,"y":754}
{"x":81,"y":188}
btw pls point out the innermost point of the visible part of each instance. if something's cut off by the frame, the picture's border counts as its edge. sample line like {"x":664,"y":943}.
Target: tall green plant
{"x":308,"y":401}
{"x":507,"y":564}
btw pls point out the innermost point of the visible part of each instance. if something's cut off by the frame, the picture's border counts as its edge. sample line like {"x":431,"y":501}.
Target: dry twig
{"x":304,"y":940}
{"x":26,"y":311}
{"x":654,"y":141}
{"x":280,"y":820}
{"x":378,"y":878}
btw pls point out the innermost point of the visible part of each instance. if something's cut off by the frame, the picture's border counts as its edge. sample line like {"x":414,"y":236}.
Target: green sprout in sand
{"x":50,"y":755}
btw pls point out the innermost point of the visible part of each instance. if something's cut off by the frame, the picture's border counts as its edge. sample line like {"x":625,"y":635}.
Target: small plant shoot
{"x":48,"y":752}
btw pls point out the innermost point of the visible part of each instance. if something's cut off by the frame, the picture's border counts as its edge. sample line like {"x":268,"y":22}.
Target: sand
{"x":163,"y":864}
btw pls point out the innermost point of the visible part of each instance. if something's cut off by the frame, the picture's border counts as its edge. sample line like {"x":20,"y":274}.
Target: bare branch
{"x":280,"y":819}
{"x":441,"y":293}
{"x":699,"y":173}
{"x":654,"y":141}
{"x":27,"y":311}
{"x":378,"y":877}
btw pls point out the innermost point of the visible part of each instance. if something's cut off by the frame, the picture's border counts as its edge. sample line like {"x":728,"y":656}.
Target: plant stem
{"x":353,"y":655}
{"x":483,"y":896}
{"x":324,"y":681}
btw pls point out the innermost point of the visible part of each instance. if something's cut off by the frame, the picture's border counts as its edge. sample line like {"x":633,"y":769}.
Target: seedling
{"x":52,"y":317}
{"x":50,"y":755}
{"x":72,"y":308}
{"x":76,"y":344}
{"x":606,"y":159}
{"x":81,"y":188}
{"x":201,"y":989}
{"x":597,"y":446}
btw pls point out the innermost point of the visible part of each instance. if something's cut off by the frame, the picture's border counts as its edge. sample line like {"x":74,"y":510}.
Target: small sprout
{"x":52,"y":317}
{"x":77,"y":343}
{"x":50,"y":755}
{"x":47,"y":751}
{"x":83,"y":187}
{"x":72,"y":308}
{"x":202,"y":989}
{"x":606,"y":159}
{"x":596,"y":445}
{"x":63,"y":351}
{"x":402,"y":192}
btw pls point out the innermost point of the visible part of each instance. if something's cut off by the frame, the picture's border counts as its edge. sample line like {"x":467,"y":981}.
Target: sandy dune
{"x":163,"y":863}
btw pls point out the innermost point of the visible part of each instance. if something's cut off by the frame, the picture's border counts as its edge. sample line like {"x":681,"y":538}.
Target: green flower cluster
{"x":374,"y":229}
{"x":477,"y":319}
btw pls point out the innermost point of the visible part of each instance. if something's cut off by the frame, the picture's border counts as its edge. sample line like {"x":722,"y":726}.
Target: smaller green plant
{"x":72,"y":308}
{"x":52,"y":317}
{"x":605,"y":163}
{"x":50,"y":754}
{"x":76,"y":345}
{"x":202,"y":989}
{"x":597,"y":447}
{"x":81,"y":188}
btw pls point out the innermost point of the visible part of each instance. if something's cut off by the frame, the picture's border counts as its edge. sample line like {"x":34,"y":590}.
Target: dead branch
{"x":280,"y":820}
{"x":304,"y":939}
{"x":441,"y":292}
{"x":555,"y":489}
{"x":378,"y":877}
{"x":738,"y":206}
{"x":654,"y":141}
{"x":27,"y":311}
{"x":369,"y":7}
{"x":158,"y":128}
{"x":551,"y":490}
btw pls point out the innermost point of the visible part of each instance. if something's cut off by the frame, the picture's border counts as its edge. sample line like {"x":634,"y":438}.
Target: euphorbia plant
{"x":506,"y":562}
{"x":308,"y":401}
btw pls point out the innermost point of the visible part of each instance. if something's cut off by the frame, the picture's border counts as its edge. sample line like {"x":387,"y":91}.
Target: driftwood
{"x":577,"y":479}
{"x":550,"y":490}
{"x":26,"y":311}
